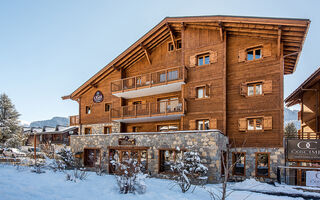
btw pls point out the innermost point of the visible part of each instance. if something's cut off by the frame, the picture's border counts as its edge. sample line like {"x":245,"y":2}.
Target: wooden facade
{"x":200,"y":72}
{"x":307,"y":96}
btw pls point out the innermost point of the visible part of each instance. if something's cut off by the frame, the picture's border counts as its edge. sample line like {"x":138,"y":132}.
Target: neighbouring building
{"x":303,"y":151}
{"x":223,"y":74}
{"x":59,"y":135}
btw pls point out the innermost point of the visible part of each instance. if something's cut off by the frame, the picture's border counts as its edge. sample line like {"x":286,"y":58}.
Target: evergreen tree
{"x":9,"y":123}
{"x":290,"y":130}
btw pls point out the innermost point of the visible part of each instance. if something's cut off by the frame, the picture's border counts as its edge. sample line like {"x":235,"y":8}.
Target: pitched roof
{"x":295,"y":97}
{"x":292,"y":31}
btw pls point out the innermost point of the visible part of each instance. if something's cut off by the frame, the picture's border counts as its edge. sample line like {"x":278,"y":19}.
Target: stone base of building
{"x":209,"y":144}
{"x":99,"y":128}
{"x":276,"y":158}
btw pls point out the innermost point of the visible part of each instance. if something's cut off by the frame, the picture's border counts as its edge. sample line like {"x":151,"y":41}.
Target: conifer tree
{"x":290,"y":130}
{"x":9,"y":123}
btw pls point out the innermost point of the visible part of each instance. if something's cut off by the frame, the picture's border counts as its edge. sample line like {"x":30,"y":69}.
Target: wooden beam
{"x":146,"y":53}
{"x":172,"y":37}
{"x":221,"y":31}
{"x":279,"y":41}
{"x":116,"y":67}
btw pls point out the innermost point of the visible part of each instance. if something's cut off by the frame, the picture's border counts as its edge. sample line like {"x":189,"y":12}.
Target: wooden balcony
{"x":308,"y":135}
{"x":154,"y":111}
{"x":158,"y":82}
{"x":74,"y":120}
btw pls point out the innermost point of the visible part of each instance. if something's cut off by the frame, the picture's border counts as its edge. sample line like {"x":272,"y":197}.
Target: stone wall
{"x":98,"y":128}
{"x":276,"y":159}
{"x":208,"y":143}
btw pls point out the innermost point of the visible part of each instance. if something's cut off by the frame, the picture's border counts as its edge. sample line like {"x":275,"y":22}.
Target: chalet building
{"x":194,"y":81}
{"x":303,"y":151}
{"x":59,"y":135}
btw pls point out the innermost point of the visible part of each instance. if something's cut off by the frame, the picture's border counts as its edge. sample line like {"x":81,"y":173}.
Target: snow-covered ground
{"x":22,"y":184}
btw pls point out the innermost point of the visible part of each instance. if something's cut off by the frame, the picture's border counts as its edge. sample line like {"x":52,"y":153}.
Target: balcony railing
{"x":309,"y":135}
{"x":160,"y":108}
{"x":149,"y":80}
{"x":74,"y":120}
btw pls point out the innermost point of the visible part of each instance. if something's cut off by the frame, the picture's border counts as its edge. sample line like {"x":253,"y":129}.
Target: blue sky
{"x":49,"y":48}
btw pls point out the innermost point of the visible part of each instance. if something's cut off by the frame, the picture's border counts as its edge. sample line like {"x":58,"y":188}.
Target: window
{"x":201,"y":92}
{"x":87,"y":131}
{"x":171,"y":127}
{"x":107,"y":107}
{"x":170,"y":46}
{"x":135,"y":129}
{"x":137,"y":102}
{"x":168,"y":158}
{"x":179,"y":44}
{"x":254,"y":54}
{"x":107,"y":130}
{"x":239,"y":162}
{"x":262,"y":164}
{"x":255,"y":89}
{"x":172,"y":75}
{"x":88,"y":110}
{"x":203,"y":124}
{"x":203,"y":60}
{"x":254,"y":124}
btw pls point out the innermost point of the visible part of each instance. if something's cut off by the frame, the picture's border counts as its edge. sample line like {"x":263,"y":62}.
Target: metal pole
{"x":34,"y":148}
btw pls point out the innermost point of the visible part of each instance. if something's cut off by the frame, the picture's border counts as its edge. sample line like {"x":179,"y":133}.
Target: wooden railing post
{"x":150,"y":85}
{"x":135,"y":110}
{"x":166,"y":76}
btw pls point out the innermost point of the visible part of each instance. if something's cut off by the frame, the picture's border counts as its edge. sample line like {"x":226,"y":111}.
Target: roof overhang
{"x":295,"y":97}
{"x":292,"y":34}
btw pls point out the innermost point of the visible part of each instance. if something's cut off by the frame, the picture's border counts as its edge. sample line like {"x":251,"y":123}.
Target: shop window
{"x":87,"y":131}
{"x":88,"y":110}
{"x":107,"y":107}
{"x":255,"y":89}
{"x":239,"y":163}
{"x":203,"y":124}
{"x":203,"y":59}
{"x":254,"y":54}
{"x":254,"y":124}
{"x":168,"y":158}
{"x":262,"y":164}
{"x":117,"y":155}
{"x":107,"y":130}
{"x":171,"y":127}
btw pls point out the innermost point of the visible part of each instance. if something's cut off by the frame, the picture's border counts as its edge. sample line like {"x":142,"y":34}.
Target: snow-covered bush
{"x":76,"y":175}
{"x":129,"y":177}
{"x":189,"y":170}
{"x":65,"y":158}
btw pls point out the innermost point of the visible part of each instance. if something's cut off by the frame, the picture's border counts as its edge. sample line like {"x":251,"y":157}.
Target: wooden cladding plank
{"x":267,"y":123}
{"x":242,"y":124}
{"x":267,"y":87}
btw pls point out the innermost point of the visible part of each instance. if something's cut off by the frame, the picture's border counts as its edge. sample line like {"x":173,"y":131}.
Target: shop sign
{"x":298,"y":149}
{"x":126,"y":141}
{"x":98,"y":97}
{"x":313,"y":178}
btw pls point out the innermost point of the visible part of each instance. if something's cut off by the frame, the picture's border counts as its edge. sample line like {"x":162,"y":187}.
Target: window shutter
{"x":242,"y":55}
{"x":192,"y":92}
{"x":192,"y":124}
{"x":242,"y":124}
{"x":267,"y":87}
{"x":213,"y":123}
{"x":243,"y":89}
{"x":266,"y":50}
{"x":267,"y":123}
{"x":208,"y":90}
{"x":193,"y":60}
{"x":213,"y":56}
